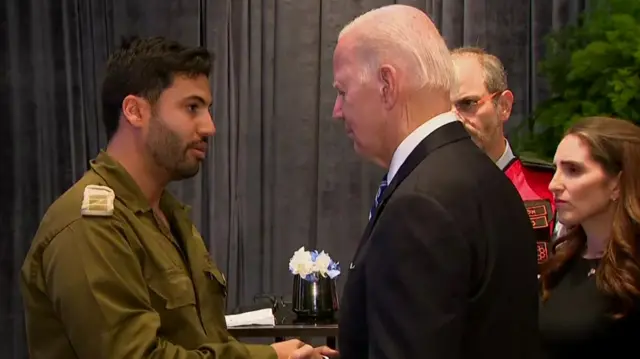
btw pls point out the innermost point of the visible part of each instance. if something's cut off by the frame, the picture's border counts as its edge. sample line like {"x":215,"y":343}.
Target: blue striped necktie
{"x":383,"y":186}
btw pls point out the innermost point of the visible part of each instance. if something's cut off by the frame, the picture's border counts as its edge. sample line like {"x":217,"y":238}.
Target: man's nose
{"x":337,"y":109}
{"x":459,"y":116}
{"x":208,"y":128}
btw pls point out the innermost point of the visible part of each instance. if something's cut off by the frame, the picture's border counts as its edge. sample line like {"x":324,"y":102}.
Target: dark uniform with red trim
{"x":532,"y":178}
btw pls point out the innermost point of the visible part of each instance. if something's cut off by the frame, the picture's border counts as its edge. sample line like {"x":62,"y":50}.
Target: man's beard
{"x":169,"y":152}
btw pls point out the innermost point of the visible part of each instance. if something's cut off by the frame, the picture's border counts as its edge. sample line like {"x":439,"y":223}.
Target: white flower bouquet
{"x":311,"y":265}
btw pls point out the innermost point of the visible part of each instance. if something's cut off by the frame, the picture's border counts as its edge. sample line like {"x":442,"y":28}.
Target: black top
{"x":574,"y":321}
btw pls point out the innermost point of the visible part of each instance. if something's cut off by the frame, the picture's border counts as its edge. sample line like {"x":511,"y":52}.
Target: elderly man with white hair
{"x":446,"y":267}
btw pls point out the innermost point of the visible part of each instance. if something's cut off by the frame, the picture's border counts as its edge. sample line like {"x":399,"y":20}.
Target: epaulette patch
{"x":98,"y":201}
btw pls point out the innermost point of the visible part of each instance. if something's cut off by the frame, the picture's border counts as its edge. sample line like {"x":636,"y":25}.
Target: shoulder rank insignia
{"x":98,"y":201}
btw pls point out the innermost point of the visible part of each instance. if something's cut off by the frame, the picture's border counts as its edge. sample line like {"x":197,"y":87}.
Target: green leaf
{"x":592,"y":69}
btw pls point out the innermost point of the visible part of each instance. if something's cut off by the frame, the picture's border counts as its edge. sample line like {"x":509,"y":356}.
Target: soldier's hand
{"x":308,"y":352}
{"x":286,"y":348}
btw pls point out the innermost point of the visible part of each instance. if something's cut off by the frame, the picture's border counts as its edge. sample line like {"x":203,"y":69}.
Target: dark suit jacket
{"x":447,"y":266}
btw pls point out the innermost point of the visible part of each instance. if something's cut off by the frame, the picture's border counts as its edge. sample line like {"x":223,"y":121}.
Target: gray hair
{"x":495,"y":76}
{"x":404,"y":37}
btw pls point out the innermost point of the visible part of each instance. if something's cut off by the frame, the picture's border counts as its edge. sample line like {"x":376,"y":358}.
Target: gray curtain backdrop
{"x":280,"y":174}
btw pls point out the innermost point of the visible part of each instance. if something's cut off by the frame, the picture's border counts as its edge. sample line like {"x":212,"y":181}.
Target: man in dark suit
{"x":446,"y":267}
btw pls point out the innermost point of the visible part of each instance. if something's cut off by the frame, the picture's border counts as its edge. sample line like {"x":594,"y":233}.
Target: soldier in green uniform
{"x":117,"y":269}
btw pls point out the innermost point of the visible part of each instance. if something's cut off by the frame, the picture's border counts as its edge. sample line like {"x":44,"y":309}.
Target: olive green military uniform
{"x":104,"y":279}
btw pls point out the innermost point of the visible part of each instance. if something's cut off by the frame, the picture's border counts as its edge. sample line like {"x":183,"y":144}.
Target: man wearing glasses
{"x":483,"y":102}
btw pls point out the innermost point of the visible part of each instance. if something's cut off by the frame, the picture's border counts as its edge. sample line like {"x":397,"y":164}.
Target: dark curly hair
{"x":615,"y":145}
{"x":145,"y":67}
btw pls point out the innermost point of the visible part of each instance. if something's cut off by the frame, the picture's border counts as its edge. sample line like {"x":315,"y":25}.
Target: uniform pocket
{"x":216,"y":278}
{"x":175,"y":287}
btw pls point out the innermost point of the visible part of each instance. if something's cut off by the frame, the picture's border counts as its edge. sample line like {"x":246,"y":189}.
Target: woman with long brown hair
{"x":590,"y":302}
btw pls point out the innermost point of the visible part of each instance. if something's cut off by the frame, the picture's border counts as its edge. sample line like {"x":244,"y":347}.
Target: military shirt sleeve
{"x":258,"y":351}
{"x":97,"y":288}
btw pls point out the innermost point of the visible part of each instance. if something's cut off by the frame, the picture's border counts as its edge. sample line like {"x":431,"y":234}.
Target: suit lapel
{"x":449,"y":133}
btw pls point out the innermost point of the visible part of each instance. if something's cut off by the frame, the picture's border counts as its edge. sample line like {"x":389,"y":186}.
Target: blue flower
{"x":334,"y":269}
{"x":313,"y":277}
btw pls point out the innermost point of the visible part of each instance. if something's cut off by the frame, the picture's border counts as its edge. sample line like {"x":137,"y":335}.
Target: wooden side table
{"x":288,"y":326}
{"x":280,"y":331}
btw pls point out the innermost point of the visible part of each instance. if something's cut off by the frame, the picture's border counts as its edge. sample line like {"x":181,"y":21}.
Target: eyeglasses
{"x":470,"y":105}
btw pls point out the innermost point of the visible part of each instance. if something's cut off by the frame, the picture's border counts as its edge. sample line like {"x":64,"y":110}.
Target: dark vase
{"x":314,"y":300}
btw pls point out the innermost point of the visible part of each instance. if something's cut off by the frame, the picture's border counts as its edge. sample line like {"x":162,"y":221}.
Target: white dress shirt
{"x":411,"y":142}
{"x":506,"y":157}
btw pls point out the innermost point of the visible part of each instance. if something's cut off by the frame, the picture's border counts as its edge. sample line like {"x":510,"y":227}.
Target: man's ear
{"x":135,"y":110}
{"x":505,"y":105}
{"x":388,"y":78}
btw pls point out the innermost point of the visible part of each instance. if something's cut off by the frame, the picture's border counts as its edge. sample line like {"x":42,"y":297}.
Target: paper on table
{"x":256,"y":317}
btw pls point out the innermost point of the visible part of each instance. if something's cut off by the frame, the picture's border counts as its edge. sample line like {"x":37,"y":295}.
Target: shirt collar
{"x":413,"y":140}
{"x":126,"y":189}
{"x":506,"y":158}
